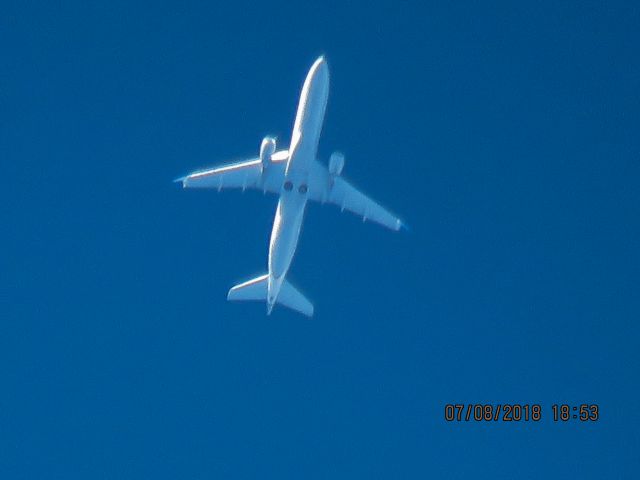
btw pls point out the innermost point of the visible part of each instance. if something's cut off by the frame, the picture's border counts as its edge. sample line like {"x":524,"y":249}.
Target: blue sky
{"x":506,"y":135}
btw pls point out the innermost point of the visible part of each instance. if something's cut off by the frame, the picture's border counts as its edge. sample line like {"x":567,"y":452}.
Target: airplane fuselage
{"x":293,"y":195}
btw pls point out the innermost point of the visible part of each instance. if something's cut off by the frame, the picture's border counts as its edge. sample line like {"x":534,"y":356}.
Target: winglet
{"x":403,"y":226}
{"x":181,"y":180}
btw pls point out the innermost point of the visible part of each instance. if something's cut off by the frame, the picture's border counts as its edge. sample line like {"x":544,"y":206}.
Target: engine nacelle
{"x":267,"y":148}
{"x":336,"y":164}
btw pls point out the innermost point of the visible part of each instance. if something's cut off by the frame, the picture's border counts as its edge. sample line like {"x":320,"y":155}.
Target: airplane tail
{"x":256,"y":289}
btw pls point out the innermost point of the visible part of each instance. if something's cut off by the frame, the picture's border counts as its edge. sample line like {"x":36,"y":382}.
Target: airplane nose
{"x":320,"y":66}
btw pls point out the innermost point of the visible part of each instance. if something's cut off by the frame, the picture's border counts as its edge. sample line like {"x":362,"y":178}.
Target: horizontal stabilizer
{"x":290,"y":297}
{"x":256,"y":290}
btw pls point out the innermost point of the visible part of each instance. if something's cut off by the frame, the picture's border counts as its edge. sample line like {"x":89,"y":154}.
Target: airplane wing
{"x":325,"y":188}
{"x":244,"y":175}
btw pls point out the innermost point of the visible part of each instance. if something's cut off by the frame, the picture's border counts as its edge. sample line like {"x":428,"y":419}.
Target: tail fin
{"x":256,"y":289}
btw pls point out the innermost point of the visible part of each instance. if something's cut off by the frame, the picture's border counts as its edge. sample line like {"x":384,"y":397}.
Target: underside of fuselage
{"x":289,"y":215}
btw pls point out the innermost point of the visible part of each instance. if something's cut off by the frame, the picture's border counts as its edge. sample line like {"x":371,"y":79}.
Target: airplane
{"x":296,"y":176}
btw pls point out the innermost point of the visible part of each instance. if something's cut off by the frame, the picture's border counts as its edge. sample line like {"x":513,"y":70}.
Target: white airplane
{"x":297,"y":176}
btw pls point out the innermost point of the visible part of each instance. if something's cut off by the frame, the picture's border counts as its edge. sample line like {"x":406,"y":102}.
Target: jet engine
{"x":336,"y":164}
{"x":267,"y":147}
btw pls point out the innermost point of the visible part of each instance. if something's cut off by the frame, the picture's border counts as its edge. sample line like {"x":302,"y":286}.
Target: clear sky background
{"x":505,"y":134}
